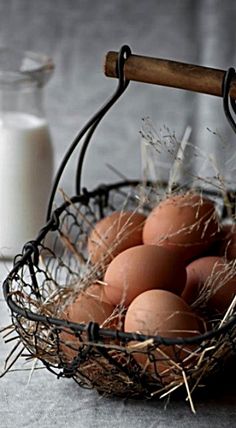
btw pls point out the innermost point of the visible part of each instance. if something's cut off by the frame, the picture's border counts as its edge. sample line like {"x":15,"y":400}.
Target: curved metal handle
{"x":228,"y":101}
{"x":126,"y":67}
{"x":89,"y":128}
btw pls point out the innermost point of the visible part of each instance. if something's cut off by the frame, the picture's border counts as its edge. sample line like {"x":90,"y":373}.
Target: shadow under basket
{"x":45,"y":276}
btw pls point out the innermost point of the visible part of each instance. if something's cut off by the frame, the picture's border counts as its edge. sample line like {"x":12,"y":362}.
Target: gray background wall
{"x":78,"y":33}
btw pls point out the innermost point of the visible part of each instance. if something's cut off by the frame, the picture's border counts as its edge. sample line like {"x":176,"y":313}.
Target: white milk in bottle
{"x":26,"y":165}
{"x":25,"y":148}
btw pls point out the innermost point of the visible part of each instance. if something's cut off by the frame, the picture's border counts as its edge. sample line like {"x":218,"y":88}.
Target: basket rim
{"x":30,"y":253}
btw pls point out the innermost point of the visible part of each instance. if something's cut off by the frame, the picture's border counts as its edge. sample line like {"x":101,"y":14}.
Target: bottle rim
{"x":19,"y":67}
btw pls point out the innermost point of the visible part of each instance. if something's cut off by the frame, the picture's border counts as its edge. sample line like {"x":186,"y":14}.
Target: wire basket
{"x":44,"y":278}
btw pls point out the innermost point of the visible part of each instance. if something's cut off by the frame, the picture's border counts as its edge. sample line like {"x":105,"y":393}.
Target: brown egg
{"x":142,"y":268}
{"x":160,"y":312}
{"x":83,"y":310}
{"x":114,"y":234}
{"x":186,"y":224}
{"x":226,"y":244}
{"x":96,"y":292}
{"x":214,"y":277}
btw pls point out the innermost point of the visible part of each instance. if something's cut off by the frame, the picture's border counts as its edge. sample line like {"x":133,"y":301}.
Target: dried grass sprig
{"x":65,"y":271}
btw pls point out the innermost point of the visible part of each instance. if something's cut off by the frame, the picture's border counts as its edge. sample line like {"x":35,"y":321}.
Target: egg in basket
{"x":135,"y":294}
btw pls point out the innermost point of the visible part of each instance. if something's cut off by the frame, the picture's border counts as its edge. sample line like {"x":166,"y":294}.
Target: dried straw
{"x":110,"y":365}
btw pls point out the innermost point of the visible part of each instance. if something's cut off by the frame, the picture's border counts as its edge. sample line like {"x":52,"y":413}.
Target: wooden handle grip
{"x":170,"y":73}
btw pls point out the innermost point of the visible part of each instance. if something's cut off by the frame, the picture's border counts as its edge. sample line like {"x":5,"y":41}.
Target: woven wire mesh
{"x":104,"y":358}
{"x":48,"y":272}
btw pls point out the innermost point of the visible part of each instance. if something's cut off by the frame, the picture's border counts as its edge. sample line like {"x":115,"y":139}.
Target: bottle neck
{"x":27,"y":99}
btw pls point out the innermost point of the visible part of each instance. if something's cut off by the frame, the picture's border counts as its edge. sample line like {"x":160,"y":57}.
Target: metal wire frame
{"x":90,"y":127}
{"x":30,"y":254}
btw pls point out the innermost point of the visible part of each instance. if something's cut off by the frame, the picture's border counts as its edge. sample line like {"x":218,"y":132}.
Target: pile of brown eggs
{"x":157,"y":268}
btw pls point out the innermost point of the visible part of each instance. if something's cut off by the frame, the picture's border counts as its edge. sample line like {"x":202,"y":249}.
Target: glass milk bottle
{"x":26,"y":157}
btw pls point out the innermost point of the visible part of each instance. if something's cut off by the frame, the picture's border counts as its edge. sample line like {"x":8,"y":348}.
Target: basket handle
{"x":170,"y":73}
{"x":125,"y":66}
{"x":89,"y":128}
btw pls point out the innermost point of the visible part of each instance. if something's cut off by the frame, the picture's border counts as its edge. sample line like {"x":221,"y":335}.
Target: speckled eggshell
{"x":84,"y":309}
{"x":226,"y":243}
{"x":162,"y":313}
{"x":198,"y":272}
{"x":114,"y":234}
{"x":142,"y":268}
{"x":187,"y":224}
{"x":217,"y":276}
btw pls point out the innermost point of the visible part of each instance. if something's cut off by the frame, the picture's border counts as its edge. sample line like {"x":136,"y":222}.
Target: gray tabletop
{"x":36,"y":398}
{"x":77,"y":34}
